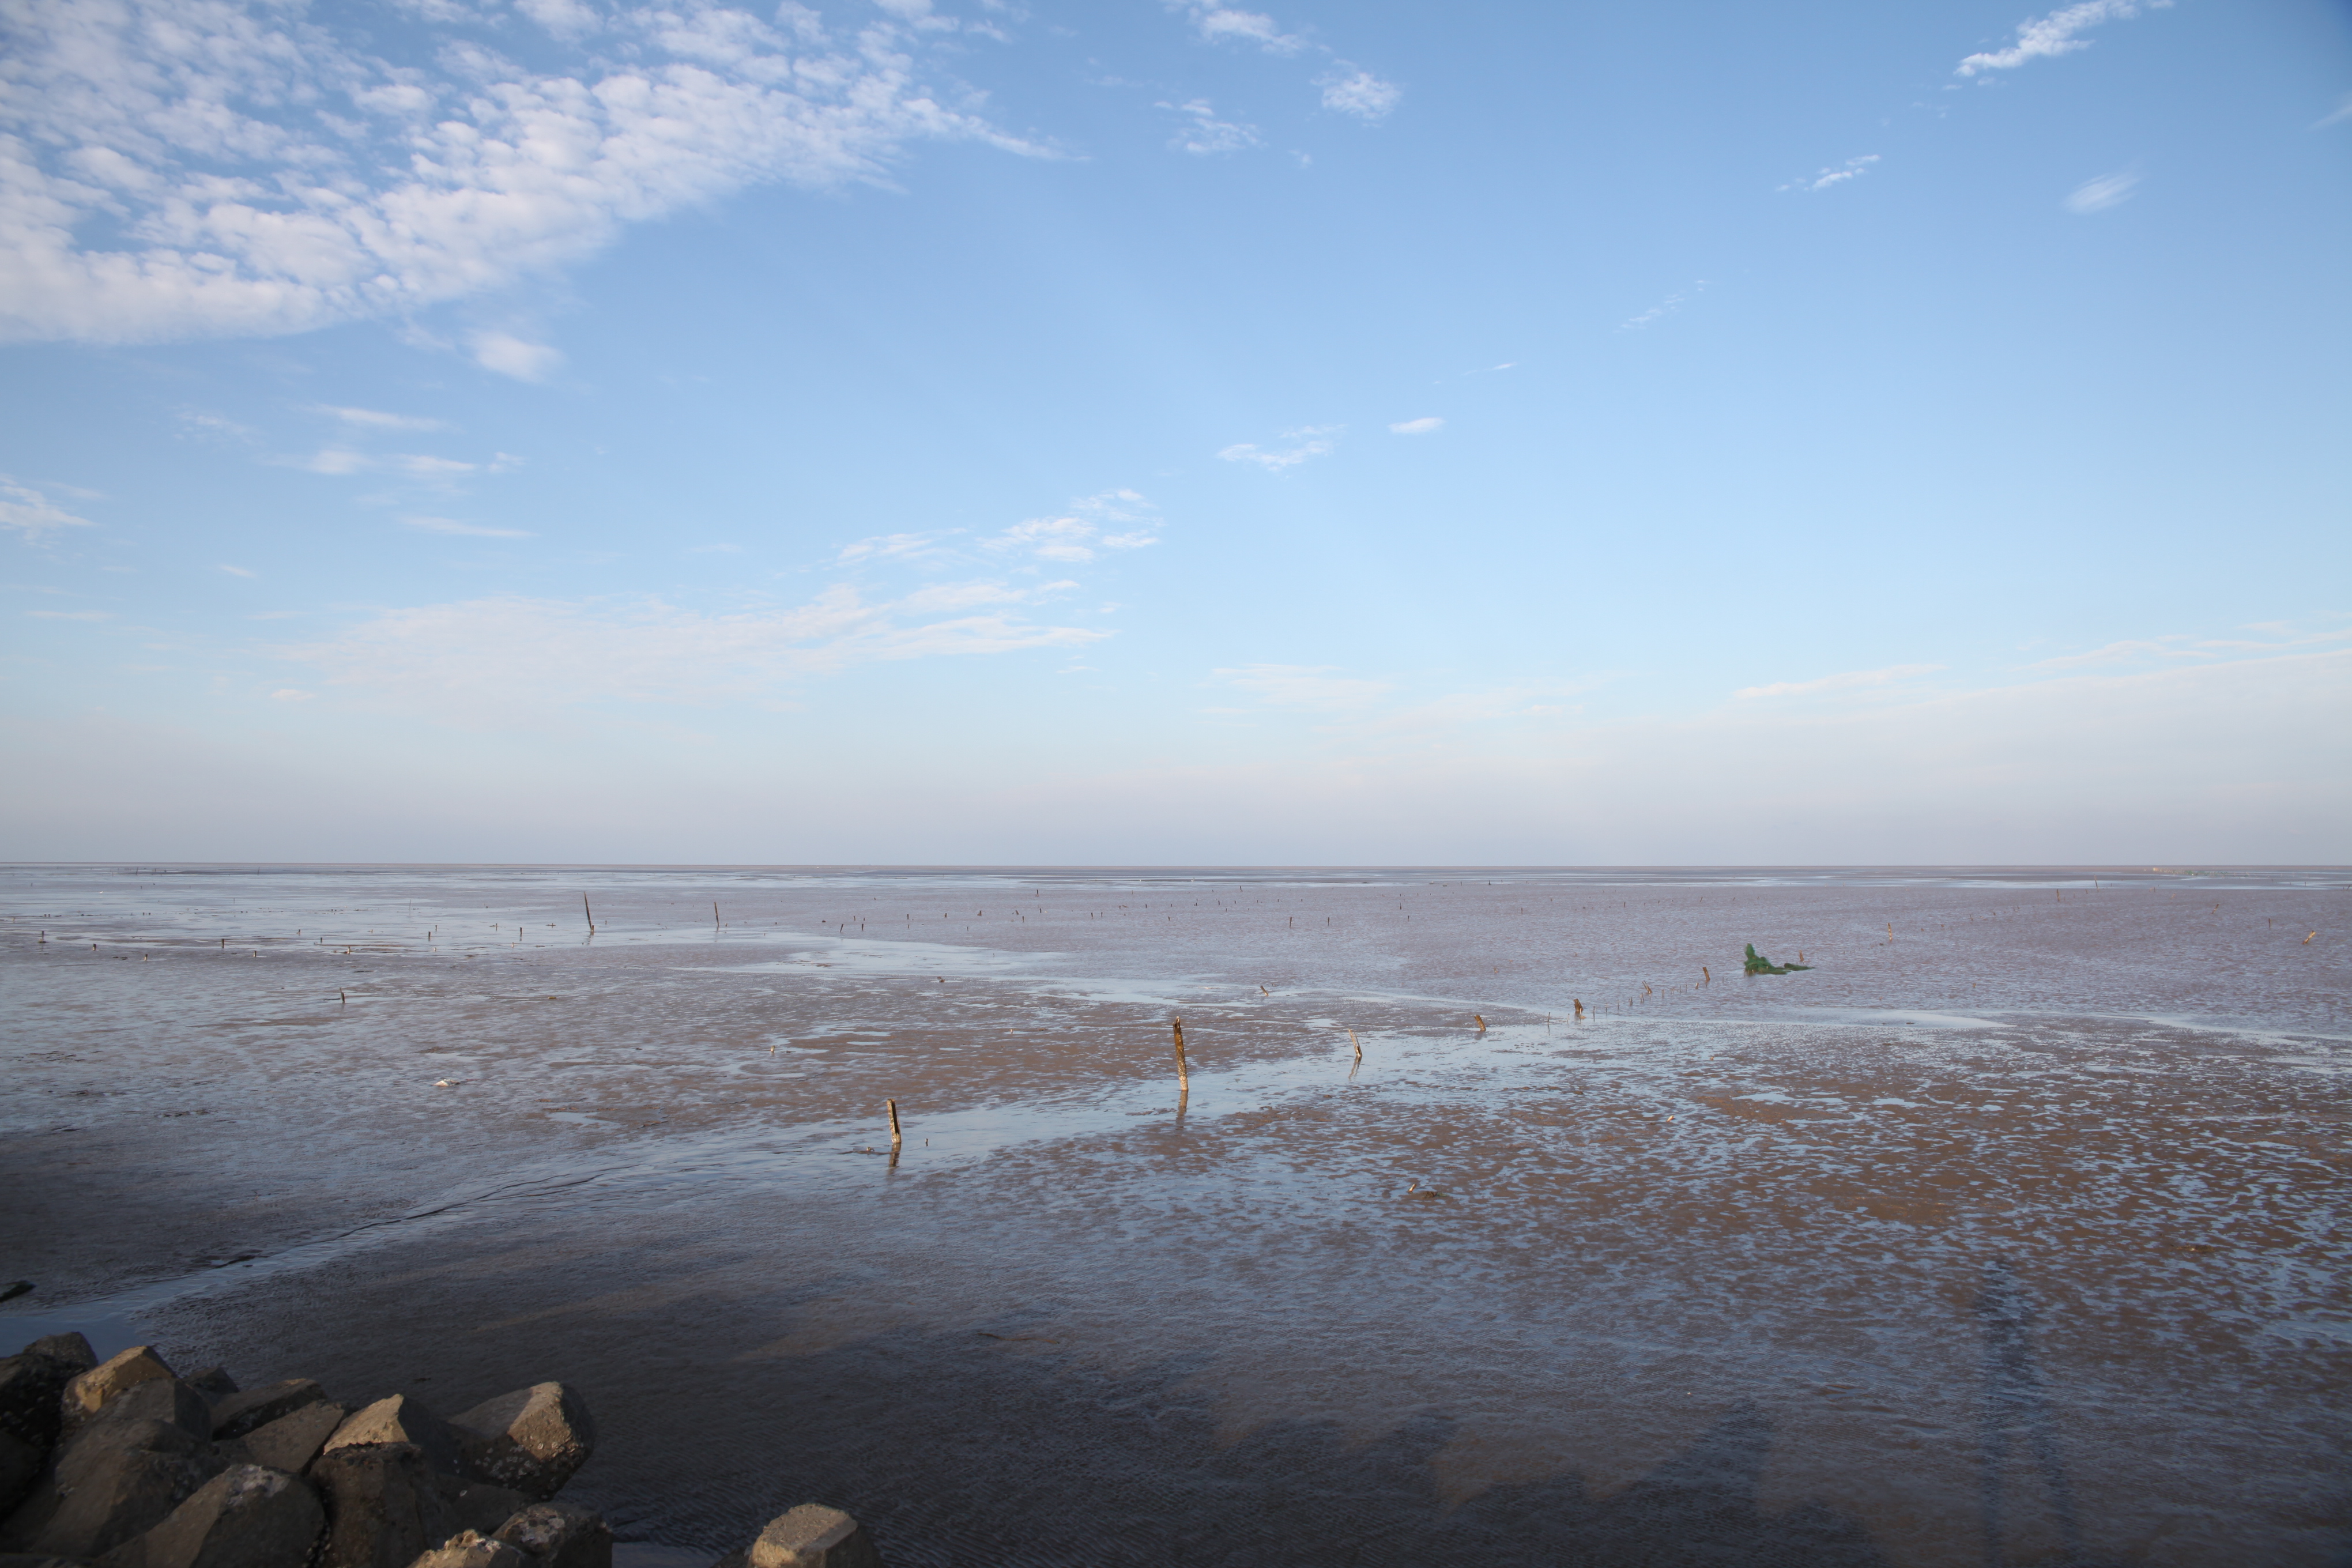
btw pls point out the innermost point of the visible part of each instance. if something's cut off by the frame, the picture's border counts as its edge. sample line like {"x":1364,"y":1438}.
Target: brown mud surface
{"x":2013,"y":1232}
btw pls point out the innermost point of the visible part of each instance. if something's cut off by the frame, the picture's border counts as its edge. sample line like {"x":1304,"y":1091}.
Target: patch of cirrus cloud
{"x":1312,"y":441}
{"x":208,"y":168}
{"x":507,"y":659}
{"x":2043,"y":37}
{"x":1346,"y":87}
{"x":212,"y":168}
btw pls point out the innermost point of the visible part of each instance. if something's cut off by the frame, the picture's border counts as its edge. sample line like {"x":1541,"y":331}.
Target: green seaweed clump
{"x":1759,"y":965}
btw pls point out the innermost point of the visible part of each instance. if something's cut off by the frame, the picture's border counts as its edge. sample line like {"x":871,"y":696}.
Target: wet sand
{"x":2010,"y":1234}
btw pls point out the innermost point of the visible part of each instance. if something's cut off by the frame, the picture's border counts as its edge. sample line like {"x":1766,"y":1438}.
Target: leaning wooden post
{"x":1481,"y":1022}
{"x":589,"y":912}
{"x":1183,"y":1078}
{"x":1356,"y":1043}
{"x":892,"y":1106}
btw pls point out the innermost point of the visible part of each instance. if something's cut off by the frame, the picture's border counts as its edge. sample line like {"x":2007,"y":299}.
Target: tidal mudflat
{"x":2013,"y":1231}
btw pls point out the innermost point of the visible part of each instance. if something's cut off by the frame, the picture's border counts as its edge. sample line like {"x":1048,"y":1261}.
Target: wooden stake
{"x":589,"y":912}
{"x":892,"y":1106}
{"x":1356,"y":1043}
{"x":1183,"y":1075}
{"x":1481,"y":1022}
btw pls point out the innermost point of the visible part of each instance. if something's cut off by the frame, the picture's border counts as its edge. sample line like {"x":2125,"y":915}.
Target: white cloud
{"x":2046,"y":38}
{"x":337,"y":460}
{"x":1306,"y":688}
{"x":509,"y":355}
{"x":185,"y":168}
{"x":2106,"y":191}
{"x":1207,"y":134}
{"x":1416,"y":426}
{"x":2284,"y":638}
{"x":239,"y":570}
{"x":1359,"y":92}
{"x":32,"y":514}
{"x":1311,"y":443}
{"x":470,"y":529}
{"x":342,"y":461}
{"x":889,"y":547}
{"x":289,"y":694}
{"x":1666,"y":307}
{"x":1077,"y":533}
{"x":1230,"y":25}
{"x":1853,"y":679}
{"x":507,"y":658}
{"x":375,"y":419}
{"x":1836,"y":175}
{"x":2343,"y":113}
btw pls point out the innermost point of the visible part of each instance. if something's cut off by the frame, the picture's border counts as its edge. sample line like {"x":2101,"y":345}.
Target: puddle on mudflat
{"x":1967,"y":1246}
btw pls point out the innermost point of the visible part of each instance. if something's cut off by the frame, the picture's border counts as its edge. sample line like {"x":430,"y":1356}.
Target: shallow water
{"x":2011,"y":1232}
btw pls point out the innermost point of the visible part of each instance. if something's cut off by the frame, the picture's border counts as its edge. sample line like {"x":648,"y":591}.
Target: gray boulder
{"x":291,"y":1442}
{"x":113,"y":1496}
{"x":382,"y":1507}
{"x":532,"y":1439}
{"x":560,"y":1535}
{"x":814,"y":1536}
{"x":165,"y":1399}
{"x":94,"y":1390}
{"x":480,"y":1506}
{"x":20,"y":1468}
{"x":72,"y":1349}
{"x":213,"y":1382}
{"x":96,"y":1474}
{"x":238,"y":1413}
{"x":31,"y":1386}
{"x":467,"y":1549}
{"x":400,"y":1419}
{"x":246,"y":1517}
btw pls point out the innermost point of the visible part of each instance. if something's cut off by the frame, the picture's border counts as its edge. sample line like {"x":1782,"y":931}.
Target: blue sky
{"x":1143,"y":431}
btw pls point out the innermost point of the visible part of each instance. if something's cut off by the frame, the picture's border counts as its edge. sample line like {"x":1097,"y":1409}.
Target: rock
{"x":291,"y":1442}
{"x":35,"y":1559}
{"x":213,"y":1382}
{"x":246,"y":1517}
{"x":814,"y":1536}
{"x":165,"y":1399}
{"x":241,"y":1412}
{"x":71,"y":1349}
{"x":479,"y":1505}
{"x":382,"y":1508}
{"x":114,"y":1495}
{"x":123,"y":1435}
{"x":91,"y":1392}
{"x":20,"y":1467}
{"x":31,"y":1386}
{"x":532,"y":1439}
{"x":467,"y":1549}
{"x":400,"y":1419}
{"x":560,"y":1535}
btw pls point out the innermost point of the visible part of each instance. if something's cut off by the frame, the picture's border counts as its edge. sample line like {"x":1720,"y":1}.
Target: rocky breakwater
{"x":128,"y":1465}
